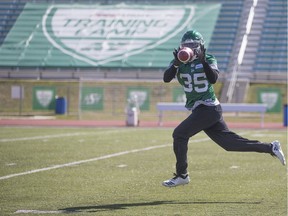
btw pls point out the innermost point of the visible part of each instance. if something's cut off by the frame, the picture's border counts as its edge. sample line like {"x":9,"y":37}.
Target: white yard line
{"x":41,"y":137}
{"x":55,"y":136}
{"x":39,"y":212}
{"x":82,"y":161}
{"x":275,"y":135}
{"x":91,"y":160}
{"x":97,"y":158}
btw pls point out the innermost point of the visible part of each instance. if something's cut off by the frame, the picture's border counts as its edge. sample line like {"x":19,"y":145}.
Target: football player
{"x":197,"y":78}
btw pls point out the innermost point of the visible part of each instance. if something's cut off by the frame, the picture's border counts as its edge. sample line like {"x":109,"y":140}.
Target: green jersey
{"x":197,"y":88}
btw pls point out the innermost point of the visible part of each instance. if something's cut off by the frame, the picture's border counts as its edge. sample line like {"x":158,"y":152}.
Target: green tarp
{"x":103,"y":35}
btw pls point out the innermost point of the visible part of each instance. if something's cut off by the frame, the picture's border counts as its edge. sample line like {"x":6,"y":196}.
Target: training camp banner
{"x":93,"y":35}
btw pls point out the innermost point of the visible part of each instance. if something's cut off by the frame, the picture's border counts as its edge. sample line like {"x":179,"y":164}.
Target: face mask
{"x":194,"y":45}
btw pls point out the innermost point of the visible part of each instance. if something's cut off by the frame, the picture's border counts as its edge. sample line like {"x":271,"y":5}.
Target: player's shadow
{"x":119,"y":206}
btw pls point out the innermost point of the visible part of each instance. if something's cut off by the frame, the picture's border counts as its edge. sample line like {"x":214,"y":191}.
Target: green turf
{"x":222,"y":183}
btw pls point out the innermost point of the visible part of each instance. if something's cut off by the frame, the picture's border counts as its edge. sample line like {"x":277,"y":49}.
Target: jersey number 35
{"x":198,"y":82}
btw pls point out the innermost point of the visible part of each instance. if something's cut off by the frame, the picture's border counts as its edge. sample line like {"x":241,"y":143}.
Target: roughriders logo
{"x":44,"y":97}
{"x":92,"y":98}
{"x":269,"y":98}
{"x":101,"y":34}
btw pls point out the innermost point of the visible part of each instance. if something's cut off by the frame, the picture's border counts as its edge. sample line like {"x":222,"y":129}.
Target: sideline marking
{"x":267,"y":135}
{"x":55,"y":136}
{"x":42,"y":137}
{"x":92,"y":159}
{"x":39,"y":212}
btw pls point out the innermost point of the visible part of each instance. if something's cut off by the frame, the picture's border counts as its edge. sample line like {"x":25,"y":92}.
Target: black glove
{"x":176,"y":61}
{"x":202,"y":54}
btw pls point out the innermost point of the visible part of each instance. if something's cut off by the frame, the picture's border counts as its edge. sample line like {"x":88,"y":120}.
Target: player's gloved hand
{"x":176,"y":61}
{"x":202,"y":54}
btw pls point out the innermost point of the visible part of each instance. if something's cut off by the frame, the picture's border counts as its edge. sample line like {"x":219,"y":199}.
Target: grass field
{"x":118,"y":171}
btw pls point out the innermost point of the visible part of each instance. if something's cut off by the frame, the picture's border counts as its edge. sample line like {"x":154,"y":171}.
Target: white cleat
{"x":277,"y":151}
{"x":177,"y":180}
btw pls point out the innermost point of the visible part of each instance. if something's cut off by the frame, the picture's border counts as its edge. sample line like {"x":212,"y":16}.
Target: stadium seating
{"x":225,"y":32}
{"x":271,"y":49}
{"x":9,"y":11}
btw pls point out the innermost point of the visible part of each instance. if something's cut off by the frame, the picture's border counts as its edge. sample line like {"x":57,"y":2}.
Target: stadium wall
{"x":106,"y":100}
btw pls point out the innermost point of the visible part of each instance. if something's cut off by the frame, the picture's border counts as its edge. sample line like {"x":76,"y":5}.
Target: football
{"x":185,"y":54}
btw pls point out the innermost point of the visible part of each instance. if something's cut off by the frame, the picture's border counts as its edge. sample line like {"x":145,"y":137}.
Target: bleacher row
{"x":9,"y":11}
{"x":271,"y":53}
{"x":225,"y":32}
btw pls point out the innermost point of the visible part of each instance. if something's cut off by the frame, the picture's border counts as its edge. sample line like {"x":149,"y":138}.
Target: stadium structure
{"x":113,"y":39}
